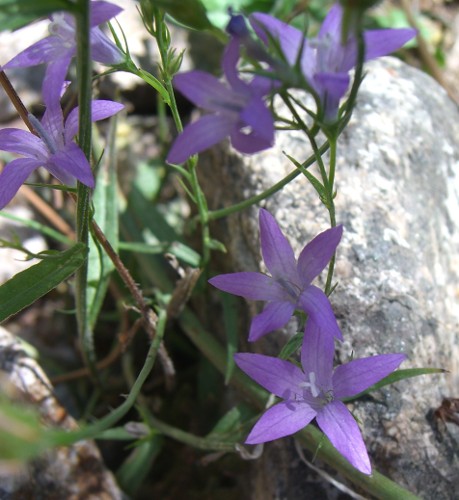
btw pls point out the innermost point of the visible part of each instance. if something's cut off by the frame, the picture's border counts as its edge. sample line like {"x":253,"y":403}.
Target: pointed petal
{"x":332,"y":23}
{"x":204,"y":90}
{"x":289,"y":38}
{"x":342,"y":430}
{"x":383,"y":42}
{"x":19,"y":141}
{"x":69,"y":164}
{"x":13,"y":176}
{"x":253,"y":286}
{"x":317,"y":354}
{"x":281,"y":420}
{"x":103,"y":50}
{"x":356,"y":376}
{"x":196,"y":137}
{"x":101,"y":12}
{"x":100,"y":110}
{"x":276,"y":249}
{"x":229,"y":63}
{"x":278,"y":376}
{"x":257,"y":116}
{"x":41,"y":52}
{"x":317,"y":254}
{"x":275,"y":315}
{"x":54,"y":81}
{"x":315,"y":303}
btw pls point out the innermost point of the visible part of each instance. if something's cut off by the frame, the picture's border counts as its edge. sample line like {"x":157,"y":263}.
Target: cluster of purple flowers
{"x":316,"y":390}
{"x":321,"y":65}
{"x":52,"y":144}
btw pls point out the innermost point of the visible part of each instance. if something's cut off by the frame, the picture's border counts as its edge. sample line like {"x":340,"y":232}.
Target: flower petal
{"x":317,"y":352}
{"x":342,"y":430}
{"x":276,"y":249}
{"x":100,"y":110}
{"x":289,"y":38}
{"x":69,"y":164}
{"x":253,"y":286}
{"x":275,"y":315}
{"x":356,"y":376}
{"x":19,"y":141}
{"x":315,"y":303}
{"x":103,"y":50}
{"x":205,"y":91}
{"x":278,"y":376}
{"x":13,"y":176}
{"x":102,"y":11}
{"x":331,"y":27}
{"x":382,"y":42}
{"x":257,"y":116}
{"x":281,"y":420}
{"x":196,"y":137}
{"x":54,"y":81}
{"x":317,"y":254}
{"x":41,"y":52}
{"x":229,"y":63}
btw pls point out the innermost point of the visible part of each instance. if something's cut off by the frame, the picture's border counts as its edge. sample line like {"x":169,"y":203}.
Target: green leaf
{"x":292,"y":346}
{"x":21,"y":434}
{"x":29,"y":285}
{"x":396,"y":377}
{"x":214,"y":244}
{"x":15,"y":14}
{"x":232,"y":426}
{"x":105,"y":204}
{"x":180,"y":250}
{"x":230,"y":316}
{"x":138,"y":464}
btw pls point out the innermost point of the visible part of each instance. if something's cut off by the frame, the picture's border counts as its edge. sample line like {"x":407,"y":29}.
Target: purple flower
{"x":59,"y":47}
{"x":289,"y":286}
{"x":316,"y":392}
{"x":52,"y":147}
{"x":237,"y":110}
{"x":325,"y":62}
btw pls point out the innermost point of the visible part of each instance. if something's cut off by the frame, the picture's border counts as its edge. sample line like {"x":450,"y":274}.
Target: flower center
{"x":317,"y":392}
{"x":43,"y":134}
{"x":291,"y":288}
{"x":61,"y":28}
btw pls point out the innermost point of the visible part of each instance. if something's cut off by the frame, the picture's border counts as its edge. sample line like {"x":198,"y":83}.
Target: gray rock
{"x":397,"y":265}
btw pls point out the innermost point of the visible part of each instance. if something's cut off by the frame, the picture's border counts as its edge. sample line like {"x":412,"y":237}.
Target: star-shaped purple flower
{"x":316,"y":392}
{"x":236,"y":110}
{"x":58,"y":49}
{"x":52,"y":147}
{"x":289,"y":286}
{"x":325,"y":62}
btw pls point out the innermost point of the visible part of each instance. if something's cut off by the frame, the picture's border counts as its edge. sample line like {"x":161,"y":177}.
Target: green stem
{"x":223,"y":212}
{"x":198,"y":194}
{"x":83,"y":192}
{"x":93,"y":430}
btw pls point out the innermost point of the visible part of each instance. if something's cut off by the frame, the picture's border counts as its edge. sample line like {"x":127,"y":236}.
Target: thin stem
{"x":198,"y":194}
{"x":95,"y":429}
{"x":84,"y":69}
{"x":223,"y":212}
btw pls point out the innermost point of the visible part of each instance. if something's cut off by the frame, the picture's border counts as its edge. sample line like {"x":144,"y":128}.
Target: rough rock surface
{"x":397,"y":267}
{"x":74,"y":472}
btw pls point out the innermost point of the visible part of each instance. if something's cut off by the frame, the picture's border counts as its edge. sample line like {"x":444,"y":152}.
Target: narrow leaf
{"x":29,"y":285}
{"x":396,"y":377}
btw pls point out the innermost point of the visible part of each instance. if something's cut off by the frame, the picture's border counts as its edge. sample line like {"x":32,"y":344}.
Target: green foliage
{"x":29,"y":285}
{"x":15,"y":14}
